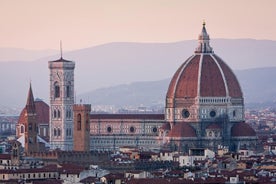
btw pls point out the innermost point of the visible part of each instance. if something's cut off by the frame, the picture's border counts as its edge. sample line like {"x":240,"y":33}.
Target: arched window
{"x":57,"y":90}
{"x":58,"y":132}
{"x":58,"y":114}
{"x":79,"y":122}
{"x":68,"y":91}
{"x":70,"y":132}
{"x":55,"y":132}
{"x":55,"y":114}
{"x":22,"y":129}
{"x":87,"y":122}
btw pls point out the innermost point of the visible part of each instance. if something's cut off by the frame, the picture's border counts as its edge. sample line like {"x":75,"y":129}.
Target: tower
{"x":61,"y":103}
{"x":82,"y":127}
{"x":31,"y":143}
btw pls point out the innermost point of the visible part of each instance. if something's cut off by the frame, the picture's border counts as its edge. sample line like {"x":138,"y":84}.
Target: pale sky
{"x":41,"y":24}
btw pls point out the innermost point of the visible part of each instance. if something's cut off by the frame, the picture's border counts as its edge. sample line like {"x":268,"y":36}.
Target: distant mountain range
{"x":121,"y":64}
{"x":258,"y":86}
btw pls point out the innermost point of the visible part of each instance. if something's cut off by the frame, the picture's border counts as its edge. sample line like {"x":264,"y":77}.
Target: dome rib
{"x":212,"y":84}
{"x":171,"y":89}
{"x":222,"y":75}
{"x":199,"y":75}
{"x":232,"y":81}
{"x":186,"y":85}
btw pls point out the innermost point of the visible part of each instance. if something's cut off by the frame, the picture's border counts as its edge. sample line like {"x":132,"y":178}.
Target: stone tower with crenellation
{"x":61,"y":103}
{"x":82,"y":127}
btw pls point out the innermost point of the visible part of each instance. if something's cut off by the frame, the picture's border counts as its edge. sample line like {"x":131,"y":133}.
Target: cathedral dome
{"x":204,"y":88}
{"x":42,"y":111}
{"x":242,"y":129}
{"x":182,"y":129}
{"x":204,"y":74}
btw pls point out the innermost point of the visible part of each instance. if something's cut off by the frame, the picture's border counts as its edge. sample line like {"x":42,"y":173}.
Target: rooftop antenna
{"x":60,"y":45}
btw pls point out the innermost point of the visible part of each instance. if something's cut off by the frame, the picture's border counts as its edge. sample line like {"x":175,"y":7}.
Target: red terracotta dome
{"x":166,"y":126}
{"x":204,"y":75}
{"x":242,"y":129}
{"x":182,"y":129}
{"x":213,"y":126}
{"x":42,"y":111}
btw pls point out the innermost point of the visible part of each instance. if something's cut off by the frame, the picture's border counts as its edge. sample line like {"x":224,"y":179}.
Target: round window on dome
{"x":213,"y":113}
{"x":185,"y":113}
{"x":154,"y":129}
{"x":109,"y":129}
{"x":132,"y":129}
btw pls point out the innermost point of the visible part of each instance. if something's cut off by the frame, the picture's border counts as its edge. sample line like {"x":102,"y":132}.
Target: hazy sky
{"x":41,"y":24}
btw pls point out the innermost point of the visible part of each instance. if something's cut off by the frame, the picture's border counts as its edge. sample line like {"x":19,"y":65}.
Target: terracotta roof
{"x":182,"y":129}
{"x":204,"y":74}
{"x":166,"y":126}
{"x":128,"y":116}
{"x":42,"y":112}
{"x":232,"y":81}
{"x":71,"y":169}
{"x":212,"y":72}
{"x":242,"y":129}
{"x":157,"y":181}
{"x":213,"y":126}
{"x":114,"y":176}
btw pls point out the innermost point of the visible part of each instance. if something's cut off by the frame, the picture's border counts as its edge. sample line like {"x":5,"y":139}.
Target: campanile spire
{"x":30,"y":105}
{"x":203,"y":41}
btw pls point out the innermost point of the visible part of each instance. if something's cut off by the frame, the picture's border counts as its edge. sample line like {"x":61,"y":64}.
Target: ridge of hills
{"x":99,"y":67}
{"x":257,"y":87}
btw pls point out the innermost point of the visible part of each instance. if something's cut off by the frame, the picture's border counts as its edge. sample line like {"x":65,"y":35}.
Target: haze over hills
{"x":124,"y":63}
{"x":17,"y":54}
{"x":256,"y":86}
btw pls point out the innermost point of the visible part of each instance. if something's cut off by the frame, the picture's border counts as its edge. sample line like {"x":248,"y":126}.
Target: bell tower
{"x":82,"y":127}
{"x":61,"y":103}
{"x":31,"y":143}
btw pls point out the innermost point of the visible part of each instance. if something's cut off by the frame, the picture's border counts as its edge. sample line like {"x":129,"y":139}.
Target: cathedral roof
{"x":242,"y":129}
{"x":166,"y":126}
{"x":204,"y":74}
{"x":42,"y":113}
{"x":182,"y":129}
{"x":213,"y":126}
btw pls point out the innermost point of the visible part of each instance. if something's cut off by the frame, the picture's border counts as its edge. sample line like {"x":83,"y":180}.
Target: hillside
{"x":257,"y":85}
{"x":124,"y":63}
